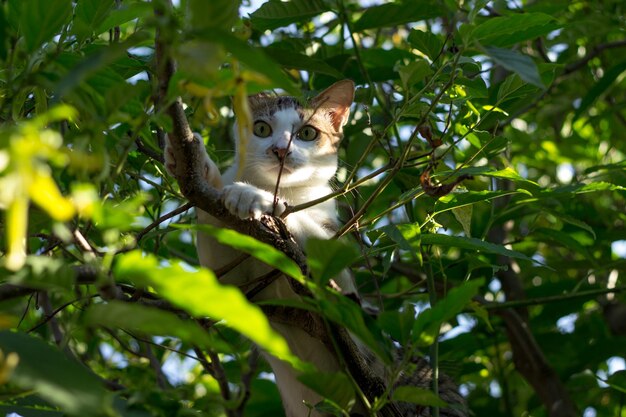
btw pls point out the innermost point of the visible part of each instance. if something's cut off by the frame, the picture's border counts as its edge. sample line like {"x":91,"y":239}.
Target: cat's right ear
{"x":336,"y":101}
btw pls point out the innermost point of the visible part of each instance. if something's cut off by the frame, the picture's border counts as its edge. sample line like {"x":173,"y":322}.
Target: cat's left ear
{"x":336,"y":101}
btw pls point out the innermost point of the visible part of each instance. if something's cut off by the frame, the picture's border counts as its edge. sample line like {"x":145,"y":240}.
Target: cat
{"x":300,"y":142}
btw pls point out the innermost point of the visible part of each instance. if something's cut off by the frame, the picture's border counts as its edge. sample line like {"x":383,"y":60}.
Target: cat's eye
{"x":262,"y":129}
{"x":308,"y":133}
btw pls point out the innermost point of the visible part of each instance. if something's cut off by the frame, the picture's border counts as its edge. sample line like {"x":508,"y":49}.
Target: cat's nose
{"x":281,"y":153}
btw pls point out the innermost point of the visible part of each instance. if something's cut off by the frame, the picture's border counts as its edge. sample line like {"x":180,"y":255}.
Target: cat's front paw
{"x":247,"y":201}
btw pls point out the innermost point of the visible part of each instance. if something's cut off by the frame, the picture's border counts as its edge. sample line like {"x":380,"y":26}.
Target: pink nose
{"x":281,"y":153}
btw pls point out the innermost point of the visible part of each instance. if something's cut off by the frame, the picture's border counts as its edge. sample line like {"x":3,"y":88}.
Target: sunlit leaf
{"x":151,"y":321}
{"x":247,"y":244}
{"x":201,"y":294}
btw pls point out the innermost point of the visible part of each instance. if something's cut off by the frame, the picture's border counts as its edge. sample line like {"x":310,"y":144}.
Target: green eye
{"x":261,"y":129}
{"x":308,"y":133}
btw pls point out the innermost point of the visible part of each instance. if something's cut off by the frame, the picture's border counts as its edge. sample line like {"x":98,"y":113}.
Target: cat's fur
{"x":307,"y":168}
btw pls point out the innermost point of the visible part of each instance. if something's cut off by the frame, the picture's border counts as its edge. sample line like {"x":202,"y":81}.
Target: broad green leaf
{"x":126,"y":12}
{"x":426,"y":42}
{"x":407,"y":236}
{"x":59,"y":380}
{"x":414,"y":72}
{"x":456,"y":200}
{"x":254,"y":59}
{"x":471,"y":244}
{"x":600,"y":87}
{"x":463,"y":215}
{"x":327,"y":258}
{"x":585,"y":188}
{"x":89,"y":15}
{"x":336,"y":387}
{"x":508,"y":30}
{"x":152,"y":321}
{"x":505,"y":174}
{"x":220,"y":14}
{"x":29,"y":411}
{"x":617,"y":381}
{"x":274,"y":14}
{"x":418,"y":396}
{"x":350,"y":315}
{"x":40,"y":20}
{"x":201,"y":294}
{"x":295,"y":60}
{"x":394,"y":14}
{"x":247,"y":244}
{"x":516,"y":62}
{"x":426,"y":327}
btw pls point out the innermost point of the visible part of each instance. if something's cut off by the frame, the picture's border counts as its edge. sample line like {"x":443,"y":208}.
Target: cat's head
{"x":304,"y":138}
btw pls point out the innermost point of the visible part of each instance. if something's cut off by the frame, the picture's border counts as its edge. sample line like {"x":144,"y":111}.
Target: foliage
{"x":482,"y":170}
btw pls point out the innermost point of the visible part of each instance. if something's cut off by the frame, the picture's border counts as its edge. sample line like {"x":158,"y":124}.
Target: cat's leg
{"x":247,"y":201}
{"x":210,"y":172}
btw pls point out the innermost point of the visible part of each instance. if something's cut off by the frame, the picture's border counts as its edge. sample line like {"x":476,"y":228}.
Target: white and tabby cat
{"x":304,"y":140}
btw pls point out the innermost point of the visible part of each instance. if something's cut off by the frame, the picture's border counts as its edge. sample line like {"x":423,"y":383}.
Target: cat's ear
{"x":336,"y":101}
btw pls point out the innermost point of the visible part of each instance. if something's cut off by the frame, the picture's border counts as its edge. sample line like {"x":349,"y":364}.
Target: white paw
{"x":247,"y":201}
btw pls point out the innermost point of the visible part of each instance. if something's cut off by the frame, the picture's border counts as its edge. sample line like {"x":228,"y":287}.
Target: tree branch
{"x":595,"y":51}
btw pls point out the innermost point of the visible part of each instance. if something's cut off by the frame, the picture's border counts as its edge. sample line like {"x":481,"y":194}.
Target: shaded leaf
{"x":508,"y":30}
{"x":274,"y":14}
{"x":426,"y":42}
{"x":393,"y":14}
{"x":471,"y":244}
{"x":335,"y":387}
{"x":516,"y":62}
{"x":600,"y":87}
{"x":426,"y":327}
{"x":56,"y":378}
{"x":327,"y":258}
{"x":40,"y":20}
{"x":418,"y":396}
{"x":295,"y":60}
{"x":151,"y":321}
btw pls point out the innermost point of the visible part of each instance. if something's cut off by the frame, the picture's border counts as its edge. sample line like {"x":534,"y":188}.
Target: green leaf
{"x":394,"y":14}
{"x":426,"y":327}
{"x":418,"y":396}
{"x":617,"y":381}
{"x":457,"y":200}
{"x":253,"y":58}
{"x":40,"y":20}
{"x":29,"y":411}
{"x":350,"y":315}
{"x":335,"y":387}
{"x":221,"y":14}
{"x":600,"y":87}
{"x":201,"y":294}
{"x":508,"y":30}
{"x":407,"y":236}
{"x":471,"y":244}
{"x":426,"y":42}
{"x":295,"y":60}
{"x":59,"y":380}
{"x":327,"y":258}
{"x":126,"y":12}
{"x":414,"y":72}
{"x":247,"y":244}
{"x":151,"y":321}
{"x":274,"y":14}
{"x":516,"y":62}
{"x":463,"y":215}
{"x":89,"y":15}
